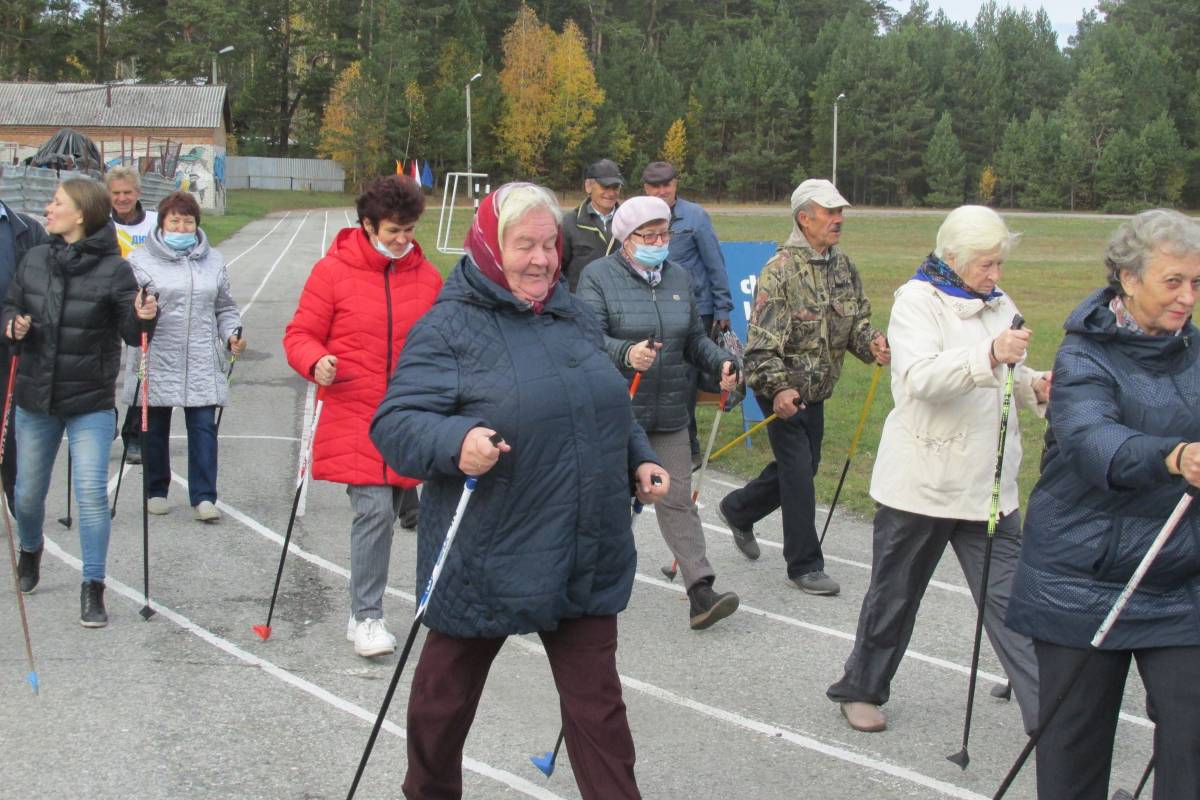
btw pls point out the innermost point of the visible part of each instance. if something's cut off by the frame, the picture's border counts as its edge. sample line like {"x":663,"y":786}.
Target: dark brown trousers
{"x":448,"y":683}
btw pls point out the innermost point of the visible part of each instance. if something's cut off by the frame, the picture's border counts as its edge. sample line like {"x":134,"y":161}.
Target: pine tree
{"x":945,"y":166}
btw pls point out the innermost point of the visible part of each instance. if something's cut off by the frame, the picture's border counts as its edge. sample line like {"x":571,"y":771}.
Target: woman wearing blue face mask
{"x":197,"y":330}
{"x":638,"y":294}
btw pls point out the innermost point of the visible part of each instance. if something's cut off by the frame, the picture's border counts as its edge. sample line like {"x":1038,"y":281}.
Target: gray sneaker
{"x":205,"y":511}
{"x":817,"y":582}
{"x":742,"y":537}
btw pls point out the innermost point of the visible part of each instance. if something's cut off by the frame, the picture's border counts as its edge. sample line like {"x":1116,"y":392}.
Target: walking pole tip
{"x":544,"y":762}
{"x":961,"y":758}
{"x":33,"y":681}
{"x":261,"y":631}
{"x":147,"y":612}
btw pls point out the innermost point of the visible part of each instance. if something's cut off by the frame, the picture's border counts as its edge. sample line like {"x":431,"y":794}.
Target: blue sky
{"x":1063,"y":13}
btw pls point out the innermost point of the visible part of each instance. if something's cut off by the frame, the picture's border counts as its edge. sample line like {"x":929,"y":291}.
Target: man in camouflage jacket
{"x":809,"y":310}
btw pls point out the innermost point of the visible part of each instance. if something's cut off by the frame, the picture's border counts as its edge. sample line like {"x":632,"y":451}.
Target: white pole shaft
{"x":835,"y":115}
{"x":1147,"y":560}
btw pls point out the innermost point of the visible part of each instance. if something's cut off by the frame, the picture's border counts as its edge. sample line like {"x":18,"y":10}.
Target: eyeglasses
{"x":661,"y":238}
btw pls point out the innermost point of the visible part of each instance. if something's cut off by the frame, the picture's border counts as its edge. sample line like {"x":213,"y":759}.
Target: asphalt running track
{"x":192,"y":704}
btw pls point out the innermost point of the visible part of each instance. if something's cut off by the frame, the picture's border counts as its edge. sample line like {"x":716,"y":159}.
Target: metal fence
{"x":284,"y":174}
{"x":29,"y":189}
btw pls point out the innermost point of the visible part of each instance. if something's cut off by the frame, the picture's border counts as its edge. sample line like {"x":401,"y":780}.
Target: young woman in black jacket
{"x":69,"y":306}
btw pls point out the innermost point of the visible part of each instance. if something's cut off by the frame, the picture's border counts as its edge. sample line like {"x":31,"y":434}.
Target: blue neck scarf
{"x":945,"y":279}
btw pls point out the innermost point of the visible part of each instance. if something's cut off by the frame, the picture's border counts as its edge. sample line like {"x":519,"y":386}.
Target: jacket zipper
{"x":387,"y":296}
{"x":661,"y":330}
{"x":187,"y":339}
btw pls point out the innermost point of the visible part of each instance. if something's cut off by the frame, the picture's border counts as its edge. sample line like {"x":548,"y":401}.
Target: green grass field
{"x":1056,"y":263}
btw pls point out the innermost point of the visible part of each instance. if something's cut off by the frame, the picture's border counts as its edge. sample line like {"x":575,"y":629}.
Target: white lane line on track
{"x":231,"y":261}
{"x":949,"y":587}
{"x":349,"y":221}
{"x":325,"y":234}
{"x":262,"y":284}
{"x":509,"y":779}
{"x":659,"y":693}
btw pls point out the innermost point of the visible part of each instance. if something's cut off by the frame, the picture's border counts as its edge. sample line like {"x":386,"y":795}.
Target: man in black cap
{"x":694,"y":247}
{"x":587,"y":230}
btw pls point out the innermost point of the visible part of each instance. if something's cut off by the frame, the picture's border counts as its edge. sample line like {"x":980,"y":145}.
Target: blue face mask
{"x":180,"y":242}
{"x":650,"y":255}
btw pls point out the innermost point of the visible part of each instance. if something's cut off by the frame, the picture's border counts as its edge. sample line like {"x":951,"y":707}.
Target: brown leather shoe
{"x":865,"y":717}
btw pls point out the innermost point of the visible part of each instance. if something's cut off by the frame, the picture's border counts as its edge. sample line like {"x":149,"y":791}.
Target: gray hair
{"x":127,"y":174}
{"x":969,"y":231}
{"x":1131,"y":247}
{"x":515,"y":200}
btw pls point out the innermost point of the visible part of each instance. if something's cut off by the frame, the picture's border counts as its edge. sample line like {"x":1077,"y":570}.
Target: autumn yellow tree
{"x":352,"y":130}
{"x":987,"y":185}
{"x":575,"y":94}
{"x":550,"y":94}
{"x":674,"y":147}
{"x":528,"y":96}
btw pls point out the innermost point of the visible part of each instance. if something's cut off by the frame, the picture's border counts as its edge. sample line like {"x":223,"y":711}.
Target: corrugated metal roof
{"x":79,"y":105}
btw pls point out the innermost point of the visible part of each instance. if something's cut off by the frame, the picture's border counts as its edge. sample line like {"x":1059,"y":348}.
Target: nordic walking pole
{"x":862,"y":421}
{"x":671,"y":571}
{"x":637,"y":378}
{"x":264,"y":631}
{"x":32,"y":677}
{"x":137,"y":390}
{"x":237,"y":334}
{"x":736,"y":440}
{"x":545,"y":761}
{"x":66,"y":521}
{"x":962,"y":757}
{"x":1121,"y":794}
{"x":147,"y":612}
{"x":1102,"y":632}
{"x":468,"y":488}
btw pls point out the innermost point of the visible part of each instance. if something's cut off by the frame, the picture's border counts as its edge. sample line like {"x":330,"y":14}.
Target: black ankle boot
{"x":708,"y":607}
{"x":29,"y":570}
{"x":91,"y":605}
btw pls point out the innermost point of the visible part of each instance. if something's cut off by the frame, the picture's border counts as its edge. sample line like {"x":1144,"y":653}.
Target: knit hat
{"x":636,"y":212}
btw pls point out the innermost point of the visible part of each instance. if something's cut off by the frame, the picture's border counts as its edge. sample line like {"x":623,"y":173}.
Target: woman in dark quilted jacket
{"x":637,"y":293}
{"x":357,"y":307}
{"x":1122,"y":447}
{"x":69,"y":306}
{"x":546,"y":543}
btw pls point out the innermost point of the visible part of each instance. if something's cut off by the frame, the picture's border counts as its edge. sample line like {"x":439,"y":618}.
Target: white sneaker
{"x":205,"y":511}
{"x":158,"y":505}
{"x":371,"y":638}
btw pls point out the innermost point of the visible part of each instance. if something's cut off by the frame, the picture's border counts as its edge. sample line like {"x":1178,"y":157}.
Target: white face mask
{"x":383,"y":251}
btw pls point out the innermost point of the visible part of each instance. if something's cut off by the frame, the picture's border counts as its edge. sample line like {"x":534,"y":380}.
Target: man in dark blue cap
{"x":694,"y":247}
{"x":587,"y":231}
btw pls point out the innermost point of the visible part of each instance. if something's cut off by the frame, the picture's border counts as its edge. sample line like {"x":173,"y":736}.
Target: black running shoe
{"x":29,"y":570}
{"x":91,"y":605}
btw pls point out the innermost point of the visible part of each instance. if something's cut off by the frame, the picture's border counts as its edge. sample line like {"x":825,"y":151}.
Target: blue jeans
{"x":89,"y":437}
{"x":202,"y":452}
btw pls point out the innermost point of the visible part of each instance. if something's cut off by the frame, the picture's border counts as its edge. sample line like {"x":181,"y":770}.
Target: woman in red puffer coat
{"x":356,"y":309}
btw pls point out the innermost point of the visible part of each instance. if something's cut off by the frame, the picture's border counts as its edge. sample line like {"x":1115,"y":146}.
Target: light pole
{"x":836,"y":100}
{"x":221,"y":52}
{"x":474,"y":78}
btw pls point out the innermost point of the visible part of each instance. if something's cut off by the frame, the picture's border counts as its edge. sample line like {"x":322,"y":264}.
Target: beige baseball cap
{"x":819,"y":191}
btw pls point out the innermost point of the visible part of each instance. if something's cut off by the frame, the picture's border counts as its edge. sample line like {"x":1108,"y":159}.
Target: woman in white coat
{"x":951,"y":339}
{"x":197,"y":324}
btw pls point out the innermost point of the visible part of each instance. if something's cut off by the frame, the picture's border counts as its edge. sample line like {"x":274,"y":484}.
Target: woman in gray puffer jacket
{"x":198,"y":320}
{"x":637,"y":293}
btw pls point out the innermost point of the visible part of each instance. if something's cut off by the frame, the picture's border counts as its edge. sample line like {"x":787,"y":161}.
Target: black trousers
{"x":787,"y":483}
{"x":907,"y":548}
{"x":694,"y":392}
{"x":1074,"y":755}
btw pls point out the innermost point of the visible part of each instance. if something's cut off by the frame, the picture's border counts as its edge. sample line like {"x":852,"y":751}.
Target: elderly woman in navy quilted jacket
{"x":546,"y":543}
{"x":1122,"y":447}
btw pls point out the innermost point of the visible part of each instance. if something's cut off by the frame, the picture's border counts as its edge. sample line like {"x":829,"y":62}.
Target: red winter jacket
{"x":359,"y":306}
